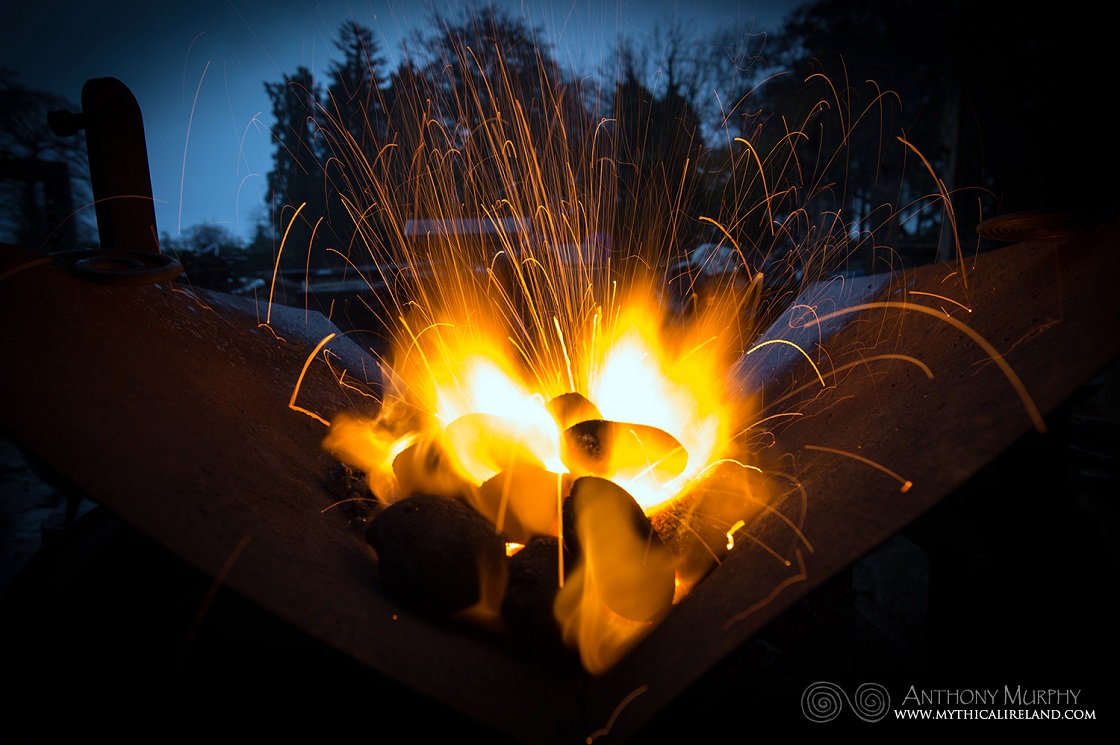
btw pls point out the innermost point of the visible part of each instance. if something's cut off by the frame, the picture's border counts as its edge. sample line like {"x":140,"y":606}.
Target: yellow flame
{"x":641,"y":382}
{"x":620,"y":590}
{"x":363,"y":444}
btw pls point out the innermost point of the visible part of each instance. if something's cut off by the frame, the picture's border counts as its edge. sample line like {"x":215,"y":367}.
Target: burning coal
{"x":546,"y":388}
{"x":470,"y":444}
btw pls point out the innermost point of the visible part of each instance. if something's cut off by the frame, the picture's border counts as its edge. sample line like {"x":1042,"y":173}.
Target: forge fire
{"x":563,"y":401}
{"x":562,"y":444}
{"x":476,"y":464}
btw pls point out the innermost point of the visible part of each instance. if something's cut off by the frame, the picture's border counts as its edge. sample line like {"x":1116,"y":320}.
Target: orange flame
{"x":468,"y":423}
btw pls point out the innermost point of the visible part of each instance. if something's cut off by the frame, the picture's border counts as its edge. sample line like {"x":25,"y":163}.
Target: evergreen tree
{"x":356,"y":104}
{"x":354,"y":132}
{"x":296,"y":182}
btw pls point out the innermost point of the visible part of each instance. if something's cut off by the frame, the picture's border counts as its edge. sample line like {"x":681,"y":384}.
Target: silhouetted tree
{"x":211,"y":255}
{"x":659,"y":146}
{"x":355,"y":98}
{"x":998,"y":106}
{"x":296,"y":182}
{"x":492,"y":76}
{"x":353,"y":130}
{"x":907,"y":51}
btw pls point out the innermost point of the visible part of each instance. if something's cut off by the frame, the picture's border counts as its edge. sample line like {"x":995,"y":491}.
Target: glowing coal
{"x":521,"y":502}
{"x":444,"y":553}
{"x":625,"y":451}
{"x":526,"y":355}
{"x":510,"y":469}
{"x":624,"y":579}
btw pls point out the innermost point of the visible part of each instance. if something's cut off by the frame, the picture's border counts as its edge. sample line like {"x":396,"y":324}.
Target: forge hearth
{"x":173,"y":411}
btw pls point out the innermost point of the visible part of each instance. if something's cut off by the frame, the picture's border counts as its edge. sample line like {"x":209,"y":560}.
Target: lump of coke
{"x":436,"y":555}
{"x":589,"y":490}
{"x":605,"y":525}
{"x":572,"y":408}
{"x":533,"y":583}
{"x":621,"y":450}
{"x":424,"y":468}
{"x":522,"y":501}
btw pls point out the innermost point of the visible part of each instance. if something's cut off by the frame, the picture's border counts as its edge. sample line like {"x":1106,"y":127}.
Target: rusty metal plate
{"x":121,"y":389}
{"x":1038,"y":225}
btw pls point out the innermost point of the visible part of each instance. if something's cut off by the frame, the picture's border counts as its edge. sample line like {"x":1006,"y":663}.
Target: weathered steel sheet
{"x":173,"y":411}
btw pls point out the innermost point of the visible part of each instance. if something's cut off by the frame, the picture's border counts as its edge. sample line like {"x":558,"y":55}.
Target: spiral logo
{"x":823,"y":702}
{"x":872,"y":702}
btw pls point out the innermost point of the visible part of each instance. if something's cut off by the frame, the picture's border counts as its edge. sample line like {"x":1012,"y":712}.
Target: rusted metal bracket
{"x":118,"y":164}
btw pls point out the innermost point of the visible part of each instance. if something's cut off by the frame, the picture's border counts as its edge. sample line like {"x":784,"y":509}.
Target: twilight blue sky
{"x":197,"y":68}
